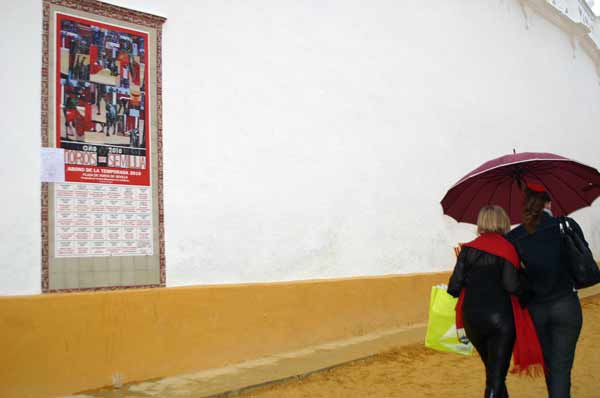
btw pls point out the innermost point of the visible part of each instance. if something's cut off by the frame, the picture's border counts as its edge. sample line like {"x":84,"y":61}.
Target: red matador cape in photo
{"x":527,"y":352}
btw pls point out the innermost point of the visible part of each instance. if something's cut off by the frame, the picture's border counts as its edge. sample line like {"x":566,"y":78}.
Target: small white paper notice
{"x":52,"y":164}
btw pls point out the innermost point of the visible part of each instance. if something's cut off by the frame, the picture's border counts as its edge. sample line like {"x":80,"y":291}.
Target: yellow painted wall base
{"x":64,"y":343}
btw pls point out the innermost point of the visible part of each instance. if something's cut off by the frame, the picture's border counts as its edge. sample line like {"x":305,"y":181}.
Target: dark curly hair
{"x":533,"y":208}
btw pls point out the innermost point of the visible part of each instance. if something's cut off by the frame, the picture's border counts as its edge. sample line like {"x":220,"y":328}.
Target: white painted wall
{"x":20,"y":137}
{"x":314,"y":139}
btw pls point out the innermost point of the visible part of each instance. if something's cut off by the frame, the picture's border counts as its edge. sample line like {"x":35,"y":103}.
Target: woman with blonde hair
{"x":487,"y":280}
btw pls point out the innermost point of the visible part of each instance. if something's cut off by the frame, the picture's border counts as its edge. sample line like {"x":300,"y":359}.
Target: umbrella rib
{"x":576,"y":170}
{"x":468,"y":205}
{"x":595,"y":175}
{"x":450,"y":205}
{"x":512,"y":181}
{"x":494,"y":192}
{"x":573,"y":189}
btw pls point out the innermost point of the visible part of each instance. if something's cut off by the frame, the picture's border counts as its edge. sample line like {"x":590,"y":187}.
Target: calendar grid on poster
{"x":98,"y":220}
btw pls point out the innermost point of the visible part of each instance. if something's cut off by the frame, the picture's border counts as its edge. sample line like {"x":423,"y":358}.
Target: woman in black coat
{"x":485,"y":276}
{"x":554,"y":304}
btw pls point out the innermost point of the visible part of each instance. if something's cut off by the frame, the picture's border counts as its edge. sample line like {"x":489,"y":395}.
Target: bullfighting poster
{"x":101,"y":102}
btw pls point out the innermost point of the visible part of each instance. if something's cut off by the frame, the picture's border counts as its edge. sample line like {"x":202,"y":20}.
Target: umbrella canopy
{"x":570,"y":184}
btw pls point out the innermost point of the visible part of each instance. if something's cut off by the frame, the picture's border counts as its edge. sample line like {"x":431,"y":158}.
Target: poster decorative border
{"x":126,"y":15}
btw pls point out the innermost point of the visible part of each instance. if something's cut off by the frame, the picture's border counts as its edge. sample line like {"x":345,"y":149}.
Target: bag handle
{"x":563,"y":223}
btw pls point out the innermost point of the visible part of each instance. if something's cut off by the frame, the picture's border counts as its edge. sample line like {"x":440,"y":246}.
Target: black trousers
{"x":558,"y":324}
{"x":493,"y":335}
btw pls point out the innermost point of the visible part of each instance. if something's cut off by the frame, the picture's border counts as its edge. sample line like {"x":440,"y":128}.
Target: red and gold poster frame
{"x":129,"y":158}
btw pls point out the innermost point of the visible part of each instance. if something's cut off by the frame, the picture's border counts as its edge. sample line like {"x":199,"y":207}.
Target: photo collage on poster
{"x":102,"y":102}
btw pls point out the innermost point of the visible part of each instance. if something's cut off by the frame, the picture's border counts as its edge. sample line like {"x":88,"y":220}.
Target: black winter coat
{"x":540,"y":252}
{"x":489,"y":281}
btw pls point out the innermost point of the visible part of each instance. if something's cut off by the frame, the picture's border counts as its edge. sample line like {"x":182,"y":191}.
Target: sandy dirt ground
{"x":414,"y":371}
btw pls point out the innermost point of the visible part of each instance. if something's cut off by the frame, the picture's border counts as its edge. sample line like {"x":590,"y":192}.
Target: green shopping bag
{"x":441,"y":325}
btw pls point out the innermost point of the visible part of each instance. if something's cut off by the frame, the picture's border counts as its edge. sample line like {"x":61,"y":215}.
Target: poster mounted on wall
{"x":102,"y":226}
{"x":102,"y":118}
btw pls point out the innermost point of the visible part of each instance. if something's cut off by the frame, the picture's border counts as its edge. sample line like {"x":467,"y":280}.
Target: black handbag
{"x":578,"y":257}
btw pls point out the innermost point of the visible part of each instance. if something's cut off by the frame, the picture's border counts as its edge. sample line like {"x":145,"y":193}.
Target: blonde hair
{"x":492,"y":219}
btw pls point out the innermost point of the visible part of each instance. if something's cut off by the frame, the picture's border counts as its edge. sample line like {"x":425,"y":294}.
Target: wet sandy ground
{"x":414,"y":371}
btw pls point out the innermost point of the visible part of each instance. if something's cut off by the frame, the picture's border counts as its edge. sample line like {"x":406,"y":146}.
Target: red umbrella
{"x":570,"y":184}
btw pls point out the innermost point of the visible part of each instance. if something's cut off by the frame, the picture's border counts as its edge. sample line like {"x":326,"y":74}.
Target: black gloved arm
{"x":457,"y":279}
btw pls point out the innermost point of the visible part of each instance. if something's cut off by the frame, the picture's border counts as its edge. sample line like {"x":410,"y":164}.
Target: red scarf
{"x":527,"y":353}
